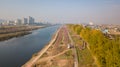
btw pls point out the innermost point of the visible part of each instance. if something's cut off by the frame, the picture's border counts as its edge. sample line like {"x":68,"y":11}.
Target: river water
{"x":17,"y":51}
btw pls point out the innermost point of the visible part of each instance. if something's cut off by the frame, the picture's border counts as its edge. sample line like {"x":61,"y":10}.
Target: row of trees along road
{"x":105,"y":50}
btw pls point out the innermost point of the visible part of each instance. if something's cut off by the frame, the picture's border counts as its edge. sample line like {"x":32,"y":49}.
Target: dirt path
{"x":34,"y":59}
{"x":51,"y":57}
{"x":57,"y":48}
{"x":74,"y":50}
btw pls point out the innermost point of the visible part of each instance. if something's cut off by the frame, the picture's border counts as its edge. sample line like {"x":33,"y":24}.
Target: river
{"x":17,"y":51}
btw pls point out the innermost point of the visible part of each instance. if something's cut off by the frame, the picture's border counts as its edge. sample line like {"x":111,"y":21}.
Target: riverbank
{"x":17,"y":51}
{"x":55,"y":54}
{"x":36,"y":56}
{"x":8,"y":32}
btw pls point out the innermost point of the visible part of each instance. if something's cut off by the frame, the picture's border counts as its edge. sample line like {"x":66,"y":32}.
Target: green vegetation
{"x":85,"y":59}
{"x":106,"y":51}
{"x":67,"y":55}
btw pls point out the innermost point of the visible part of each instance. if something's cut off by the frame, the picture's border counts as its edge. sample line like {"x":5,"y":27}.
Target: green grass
{"x":78,"y":54}
{"x":85,"y":58}
{"x":67,"y":55}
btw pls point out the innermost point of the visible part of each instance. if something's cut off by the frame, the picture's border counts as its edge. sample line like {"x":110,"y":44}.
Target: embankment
{"x":31,"y":62}
{"x":8,"y":32}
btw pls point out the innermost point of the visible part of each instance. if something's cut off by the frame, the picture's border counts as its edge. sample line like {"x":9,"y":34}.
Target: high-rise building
{"x":25,"y":21}
{"x":31,"y":20}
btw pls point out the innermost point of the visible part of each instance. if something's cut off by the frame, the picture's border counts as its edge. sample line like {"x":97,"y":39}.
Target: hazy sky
{"x":64,"y":11}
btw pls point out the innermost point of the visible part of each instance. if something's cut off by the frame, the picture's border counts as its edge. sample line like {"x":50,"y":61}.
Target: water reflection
{"x":16,"y":51}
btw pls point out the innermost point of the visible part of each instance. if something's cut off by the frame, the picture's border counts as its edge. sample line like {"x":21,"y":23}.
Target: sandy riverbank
{"x":40,"y":53}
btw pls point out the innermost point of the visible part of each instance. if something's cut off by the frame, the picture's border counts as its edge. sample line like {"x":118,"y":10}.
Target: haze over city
{"x":59,"y":33}
{"x":63,"y":11}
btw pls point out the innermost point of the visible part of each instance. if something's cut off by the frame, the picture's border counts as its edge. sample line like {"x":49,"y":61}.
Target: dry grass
{"x":8,"y":32}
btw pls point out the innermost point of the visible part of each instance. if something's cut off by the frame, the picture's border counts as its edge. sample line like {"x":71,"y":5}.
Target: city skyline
{"x":23,"y":21}
{"x":64,"y":11}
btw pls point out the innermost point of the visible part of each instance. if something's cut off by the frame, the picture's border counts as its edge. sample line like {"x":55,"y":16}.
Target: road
{"x":74,"y":50}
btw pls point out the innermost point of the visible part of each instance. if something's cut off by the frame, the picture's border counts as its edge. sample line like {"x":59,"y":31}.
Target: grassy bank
{"x":105,"y":51}
{"x":8,"y":32}
{"x":85,"y":58}
{"x":11,"y":35}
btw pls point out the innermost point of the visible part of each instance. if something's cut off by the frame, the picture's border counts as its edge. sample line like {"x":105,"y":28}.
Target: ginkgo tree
{"x":105,"y":50}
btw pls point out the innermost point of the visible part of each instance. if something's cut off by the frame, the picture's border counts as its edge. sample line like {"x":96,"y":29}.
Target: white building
{"x":5,"y":23}
{"x":91,"y":23}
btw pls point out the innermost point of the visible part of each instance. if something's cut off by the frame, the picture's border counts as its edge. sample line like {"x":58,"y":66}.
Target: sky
{"x":63,"y":11}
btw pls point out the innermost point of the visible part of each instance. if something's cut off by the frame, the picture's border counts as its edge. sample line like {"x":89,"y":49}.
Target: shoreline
{"x":8,"y":34}
{"x":14,"y":35}
{"x":58,"y":54}
{"x":37,"y":55}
